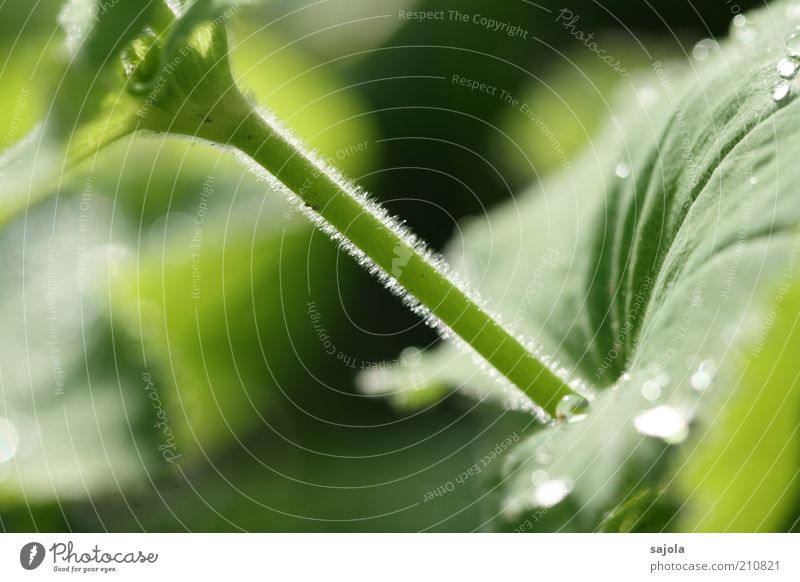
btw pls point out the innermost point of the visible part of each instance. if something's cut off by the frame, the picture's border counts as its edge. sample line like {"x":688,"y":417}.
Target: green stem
{"x":235,"y":122}
{"x":28,"y":186}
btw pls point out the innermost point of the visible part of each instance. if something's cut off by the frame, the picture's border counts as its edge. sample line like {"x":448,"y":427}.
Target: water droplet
{"x":700,"y":381}
{"x":9,"y":440}
{"x":551,"y":492}
{"x":572,"y":408}
{"x":662,"y":379}
{"x":622,"y":170}
{"x":651,"y":390}
{"x":742,"y":30}
{"x":793,"y":45}
{"x":753,"y":180}
{"x":662,"y":422}
{"x":702,"y":49}
{"x":625,"y":377}
{"x":786,"y":68}
{"x":780,"y":92}
{"x":700,"y":52}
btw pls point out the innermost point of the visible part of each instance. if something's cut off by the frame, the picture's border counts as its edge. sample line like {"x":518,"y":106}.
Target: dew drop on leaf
{"x":622,"y":170}
{"x":742,"y":30}
{"x":702,"y":378}
{"x":700,"y":52}
{"x":781,"y":91}
{"x":662,"y":422}
{"x":793,"y":45}
{"x":703,"y":48}
{"x":572,"y":408}
{"x":551,"y":492}
{"x":786,"y":68}
{"x":651,"y":390}
{"x":700,"y":381}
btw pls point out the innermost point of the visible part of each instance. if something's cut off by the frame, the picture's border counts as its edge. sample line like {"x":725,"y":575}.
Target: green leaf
{"x":213,"y":307}
{"x":569,"y":112}
{"x":743,"y":473}
{"x":90,"y":106}
{"x":82,"y":310}
{"x":640,"y":269}
{"x":315,"y":477}
{"x":69,"y":405}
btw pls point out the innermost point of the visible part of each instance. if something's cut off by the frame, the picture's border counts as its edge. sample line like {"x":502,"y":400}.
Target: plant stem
{"x":26,"y":186}
{"x":235,"y":122}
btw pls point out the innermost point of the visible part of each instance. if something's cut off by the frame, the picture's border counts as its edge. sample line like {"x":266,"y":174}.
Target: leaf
{"x":743,"y":473}
{"x":81,"y":310}
{"x":569,"y":113}
{"x":69,"y":405}
{"x":90,"y":105}
{"x":315,"y":477}
{"x":662,"y":239}
{"x":214,"y":307}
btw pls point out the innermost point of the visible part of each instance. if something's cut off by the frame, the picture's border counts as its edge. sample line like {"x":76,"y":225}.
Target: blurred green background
{"x":244,"y":337}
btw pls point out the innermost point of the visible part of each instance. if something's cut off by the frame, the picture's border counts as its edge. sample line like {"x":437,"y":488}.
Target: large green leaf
{"x":743,"y":474}
{"x":130,"y":348}
{"x":70,"y":407}
{"x":215,"y":306}
{"x":639,"y":270}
